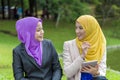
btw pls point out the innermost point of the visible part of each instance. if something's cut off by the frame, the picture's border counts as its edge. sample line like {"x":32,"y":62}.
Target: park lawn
{"x":58,"y":35}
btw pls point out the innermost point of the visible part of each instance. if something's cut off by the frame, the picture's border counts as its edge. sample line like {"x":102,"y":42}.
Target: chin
{"x":41,"y":39}
{"x":80,"y":38}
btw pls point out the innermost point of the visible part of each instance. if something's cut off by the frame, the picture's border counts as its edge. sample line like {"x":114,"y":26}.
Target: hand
{"x":85,"y":46}
{"x":91,"y":69}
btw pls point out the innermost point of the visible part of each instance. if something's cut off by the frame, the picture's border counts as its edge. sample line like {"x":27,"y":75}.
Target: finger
{"x":85,"y":71}
{"x":86,"y":68}
{"x":90,"y":66}
{"x":87,"y":43}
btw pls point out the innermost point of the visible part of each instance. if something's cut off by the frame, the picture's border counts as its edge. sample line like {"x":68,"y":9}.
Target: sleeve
{"x":17,"y":67}
{"x":71,"y":67}
{"x":56,"y":67}
{"x":102,"y":65}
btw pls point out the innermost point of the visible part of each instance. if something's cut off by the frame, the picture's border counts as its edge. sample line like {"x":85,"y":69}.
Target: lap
{"x":100,"y":78}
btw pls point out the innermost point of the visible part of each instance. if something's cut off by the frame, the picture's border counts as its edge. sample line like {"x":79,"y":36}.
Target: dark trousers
{"x":100,"y":78}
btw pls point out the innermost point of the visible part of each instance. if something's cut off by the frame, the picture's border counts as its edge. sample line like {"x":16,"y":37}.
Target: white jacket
{"x":72,"y":61}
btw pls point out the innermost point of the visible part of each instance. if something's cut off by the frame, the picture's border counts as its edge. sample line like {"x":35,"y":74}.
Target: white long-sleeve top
{"x":73,"y":61}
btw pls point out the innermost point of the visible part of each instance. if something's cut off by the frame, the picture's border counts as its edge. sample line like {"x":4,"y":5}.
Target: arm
{"x":17,"y":67}
{"x":56,"y":67}
{"x":99,"y":69}
{"x":70,"y":67}
{"x":102,"y":65}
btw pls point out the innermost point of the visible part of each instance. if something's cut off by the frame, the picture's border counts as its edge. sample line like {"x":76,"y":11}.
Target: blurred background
{"x":59,"y":25}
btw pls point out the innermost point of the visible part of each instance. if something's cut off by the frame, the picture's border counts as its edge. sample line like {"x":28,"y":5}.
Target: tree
{"x":3,"y":13}
{"x":70,"y":10}
{"x":108,"y":8}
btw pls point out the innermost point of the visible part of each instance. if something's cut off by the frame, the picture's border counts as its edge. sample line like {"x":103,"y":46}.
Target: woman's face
{"x":80,"y":32}
{"x":39,"y":32}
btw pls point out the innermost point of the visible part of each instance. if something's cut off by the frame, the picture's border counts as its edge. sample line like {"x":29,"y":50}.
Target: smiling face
{"x":39,"y":32}
{"x":80,"y":32}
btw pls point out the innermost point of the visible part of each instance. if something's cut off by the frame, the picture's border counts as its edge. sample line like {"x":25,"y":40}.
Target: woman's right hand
{"x":85,"y":46}
{"x":91,"y":69}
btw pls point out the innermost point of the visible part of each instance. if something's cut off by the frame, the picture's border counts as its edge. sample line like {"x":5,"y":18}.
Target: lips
{"x":78,"y":35}
{"x":40,"y":36}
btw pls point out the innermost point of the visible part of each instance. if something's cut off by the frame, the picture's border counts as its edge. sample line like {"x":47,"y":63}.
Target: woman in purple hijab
{"x":34,"y":58}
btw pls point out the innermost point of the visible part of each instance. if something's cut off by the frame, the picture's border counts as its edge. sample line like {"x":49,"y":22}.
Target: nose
{"x":42,"y":31}
{"x":77,"y":30}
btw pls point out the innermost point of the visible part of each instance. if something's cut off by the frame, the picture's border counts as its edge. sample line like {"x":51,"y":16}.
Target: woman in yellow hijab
{"x":89,"y":45}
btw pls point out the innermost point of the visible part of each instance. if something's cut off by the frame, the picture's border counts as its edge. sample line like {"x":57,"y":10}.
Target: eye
{"x":38,"y":30}
{"x":80,"y":27}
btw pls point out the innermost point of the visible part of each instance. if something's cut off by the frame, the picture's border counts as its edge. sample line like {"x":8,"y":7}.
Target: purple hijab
{"x":26,"y":28}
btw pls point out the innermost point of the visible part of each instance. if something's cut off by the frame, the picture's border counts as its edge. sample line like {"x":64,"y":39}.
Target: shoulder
{"x":70,"y":42}
{"x":19,"y":47}
{"x":47,"y":40}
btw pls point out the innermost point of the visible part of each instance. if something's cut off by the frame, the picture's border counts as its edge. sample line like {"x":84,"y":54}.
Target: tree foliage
{"x":66,"y":9}
{"x":108,"y":8}
{"x":73,"y":9}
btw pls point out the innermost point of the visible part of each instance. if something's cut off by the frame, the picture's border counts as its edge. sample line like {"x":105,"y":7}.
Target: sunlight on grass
{"x":6,"y":74}
{"x":113,"y":75}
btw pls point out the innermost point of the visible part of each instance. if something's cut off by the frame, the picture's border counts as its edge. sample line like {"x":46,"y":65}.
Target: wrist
{"x":83,"y":56}
{"x":96,"y":74}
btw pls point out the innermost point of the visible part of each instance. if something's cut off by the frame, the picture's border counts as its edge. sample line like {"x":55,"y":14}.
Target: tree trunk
{"x":9,"y":11}
{"x":3,"y":13}
{"x":22,"y":6}
{"x":36,"y":8}
{"x":31,"y":6}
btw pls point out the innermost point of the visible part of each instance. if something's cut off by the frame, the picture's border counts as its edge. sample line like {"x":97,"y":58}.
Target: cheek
{"x":77,"y":31}
{"x":84,"y":34}
{"x":36,"y":34}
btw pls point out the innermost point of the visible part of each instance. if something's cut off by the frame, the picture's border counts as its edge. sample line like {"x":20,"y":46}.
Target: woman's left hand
{"x":90,"y":69}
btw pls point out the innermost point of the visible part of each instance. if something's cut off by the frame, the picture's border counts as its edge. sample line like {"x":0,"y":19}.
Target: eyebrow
{"x":39,"y":27}
{"x":80,"y":26}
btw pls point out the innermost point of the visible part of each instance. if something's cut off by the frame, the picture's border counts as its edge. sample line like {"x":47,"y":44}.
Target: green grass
{"x":6,"y":74}
{"x":8,"y":25}
{"x":113,"y":58}
{"x":113,"y":75}
{"x":65,"y":31}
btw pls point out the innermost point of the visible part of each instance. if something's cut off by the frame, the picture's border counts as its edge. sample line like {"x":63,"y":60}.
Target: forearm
{"x":103,"y":66}
{"x":56,"y":67}
{"x":17,"y":67}
{"x":72,"y":68}
{"x":18,"y":74}
{"x":57,"y":75}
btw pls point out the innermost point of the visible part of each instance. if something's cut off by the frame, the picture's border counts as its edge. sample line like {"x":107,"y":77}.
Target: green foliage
{"x":26,"y":4}
{"x":74,"y":10}
{"x":116,"y":27}
{"x":91,"y":1}
{"x":71,"y":11}
{"x":115,"y":10}
{"x":108,"y":8}
{"x":111,"y":30}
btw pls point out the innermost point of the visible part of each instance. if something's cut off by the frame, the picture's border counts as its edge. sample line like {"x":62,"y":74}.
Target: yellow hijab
{"x":94,"y":36}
